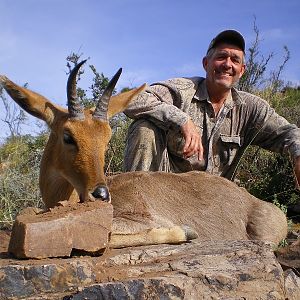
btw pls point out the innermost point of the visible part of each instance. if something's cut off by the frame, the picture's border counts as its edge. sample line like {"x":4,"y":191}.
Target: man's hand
{"x":193,"y":143}
{"x":297,"y":171}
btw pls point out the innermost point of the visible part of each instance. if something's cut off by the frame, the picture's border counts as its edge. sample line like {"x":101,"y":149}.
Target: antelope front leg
{"x":153,"y":236}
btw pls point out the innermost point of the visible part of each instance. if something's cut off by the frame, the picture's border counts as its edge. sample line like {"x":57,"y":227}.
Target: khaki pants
{"x":147,"y":150}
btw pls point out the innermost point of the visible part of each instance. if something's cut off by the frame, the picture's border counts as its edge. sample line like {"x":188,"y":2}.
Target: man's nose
{"x":227,"y":63}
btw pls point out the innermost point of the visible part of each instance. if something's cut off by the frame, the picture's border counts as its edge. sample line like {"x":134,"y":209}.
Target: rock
{"x":289,"y":256}
{"x":196,"y":270}
{"x":84,"y":227}
{"x":4,"y":241}
{"x":292,"y":285}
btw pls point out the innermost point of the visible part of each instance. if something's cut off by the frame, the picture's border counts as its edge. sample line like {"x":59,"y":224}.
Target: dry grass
{"x":18,"y":179}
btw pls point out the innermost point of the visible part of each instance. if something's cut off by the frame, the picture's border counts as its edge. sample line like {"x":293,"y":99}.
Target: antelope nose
{"x":101,"y":192}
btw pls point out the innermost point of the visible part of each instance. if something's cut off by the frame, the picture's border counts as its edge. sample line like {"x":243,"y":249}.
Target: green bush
{"x":115,"y":152}
{"x":269,"y":176}
{"x":20,"y":159}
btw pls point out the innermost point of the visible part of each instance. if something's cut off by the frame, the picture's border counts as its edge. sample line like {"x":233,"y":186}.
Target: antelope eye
{"x":68,"y":139}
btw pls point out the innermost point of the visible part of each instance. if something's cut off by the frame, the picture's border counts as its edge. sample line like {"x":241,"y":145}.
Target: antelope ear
{"x":33,"y":103}
{"x":119,"y":102}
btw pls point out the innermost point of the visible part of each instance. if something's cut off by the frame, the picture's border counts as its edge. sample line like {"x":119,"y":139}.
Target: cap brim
{"x":228,"y":36}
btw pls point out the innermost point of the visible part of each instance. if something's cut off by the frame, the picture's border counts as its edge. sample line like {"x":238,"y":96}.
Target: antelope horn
{"x":74,"y":107}
{"x":102,"y":105}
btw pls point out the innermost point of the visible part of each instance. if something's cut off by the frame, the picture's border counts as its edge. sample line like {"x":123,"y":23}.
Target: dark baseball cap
{"x":228,"y":36}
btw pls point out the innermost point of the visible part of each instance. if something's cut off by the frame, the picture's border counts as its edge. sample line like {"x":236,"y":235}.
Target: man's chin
{"x":226,"y":84}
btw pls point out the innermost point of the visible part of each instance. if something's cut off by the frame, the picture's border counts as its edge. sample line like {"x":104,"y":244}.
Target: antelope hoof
{"x":101,"y":193}
{"x":190,"y":233}
{"x":63,"y":203}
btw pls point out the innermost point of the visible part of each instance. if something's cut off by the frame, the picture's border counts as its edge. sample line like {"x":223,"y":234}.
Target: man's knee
{"x":144,"y":147}
{"x":142,"y":132}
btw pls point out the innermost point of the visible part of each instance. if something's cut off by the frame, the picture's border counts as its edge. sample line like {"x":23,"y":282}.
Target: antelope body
{"x":149,"y":208}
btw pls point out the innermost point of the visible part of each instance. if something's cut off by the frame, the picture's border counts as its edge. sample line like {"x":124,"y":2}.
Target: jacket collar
{"x":232,"y":100}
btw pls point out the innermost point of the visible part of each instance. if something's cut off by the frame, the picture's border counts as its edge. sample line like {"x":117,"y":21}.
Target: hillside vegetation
{"x":266,"y":175}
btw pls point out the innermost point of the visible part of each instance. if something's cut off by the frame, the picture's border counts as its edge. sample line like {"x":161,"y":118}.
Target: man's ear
{"x":243,"y":68}
{"x":204,"y":63}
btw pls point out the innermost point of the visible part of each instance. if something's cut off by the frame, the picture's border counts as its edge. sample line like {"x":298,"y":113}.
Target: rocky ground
{"x":197,"y":270}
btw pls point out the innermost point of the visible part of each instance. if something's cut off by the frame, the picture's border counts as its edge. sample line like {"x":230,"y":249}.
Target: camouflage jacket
{"x":244,"y":119}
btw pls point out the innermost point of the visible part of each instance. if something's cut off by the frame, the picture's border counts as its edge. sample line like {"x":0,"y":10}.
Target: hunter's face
{"x":225,"y":66}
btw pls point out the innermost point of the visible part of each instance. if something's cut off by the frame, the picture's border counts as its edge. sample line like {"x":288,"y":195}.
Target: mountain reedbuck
{"x":149,"y":207}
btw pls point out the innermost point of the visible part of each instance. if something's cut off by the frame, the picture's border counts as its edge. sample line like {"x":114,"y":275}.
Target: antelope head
{"x":72,"y":166}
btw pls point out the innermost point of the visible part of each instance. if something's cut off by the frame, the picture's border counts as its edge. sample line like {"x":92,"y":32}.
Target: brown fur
{"x":214,"y":207}
{"x":149,"y":208}
{"x":67,"y":167}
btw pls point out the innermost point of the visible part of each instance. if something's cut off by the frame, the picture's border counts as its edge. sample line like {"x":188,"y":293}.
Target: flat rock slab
{"x":83,"y":227}
{"x":196,"y":270}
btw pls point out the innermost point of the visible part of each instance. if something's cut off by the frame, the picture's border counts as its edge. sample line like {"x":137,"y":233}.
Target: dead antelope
{"x":149,"y":208}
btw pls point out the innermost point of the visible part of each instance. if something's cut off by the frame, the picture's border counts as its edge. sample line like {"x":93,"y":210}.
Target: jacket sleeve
{"x":273,"y":132}
{"x":159,"y":104}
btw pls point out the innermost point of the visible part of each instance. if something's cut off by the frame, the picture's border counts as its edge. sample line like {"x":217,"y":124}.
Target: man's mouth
{"x":224,"y":74}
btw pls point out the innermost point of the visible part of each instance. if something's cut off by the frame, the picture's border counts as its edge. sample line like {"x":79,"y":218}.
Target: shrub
{"x":269,"y":176}
{"x":20,"y":159}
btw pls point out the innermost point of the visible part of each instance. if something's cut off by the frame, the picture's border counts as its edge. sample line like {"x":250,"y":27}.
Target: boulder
{"x":58,"y":232}
{"x":195,"y":270}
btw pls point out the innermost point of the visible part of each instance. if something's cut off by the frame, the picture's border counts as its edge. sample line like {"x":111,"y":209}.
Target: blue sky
{"x":151,"y":39}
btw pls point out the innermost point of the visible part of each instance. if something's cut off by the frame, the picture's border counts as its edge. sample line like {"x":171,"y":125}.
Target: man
{"x":206,"y":124}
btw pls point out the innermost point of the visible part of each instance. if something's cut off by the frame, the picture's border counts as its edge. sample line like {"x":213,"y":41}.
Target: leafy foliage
{"x":269,"y":176}
{"x":19,"y":160}
{"x":266,"y":175}
{"x":98,"y":86}
{"x":116,"y":147}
